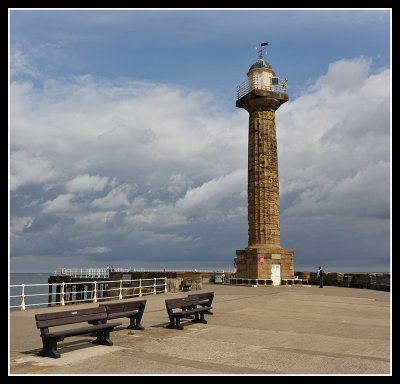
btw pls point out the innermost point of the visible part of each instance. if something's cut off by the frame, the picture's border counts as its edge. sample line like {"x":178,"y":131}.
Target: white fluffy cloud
{"x":86,"y":183}
{"x":152,"y":172}
{"x":28,"y":168}
{"x":334,"y":142}
{"x":337,"y":135}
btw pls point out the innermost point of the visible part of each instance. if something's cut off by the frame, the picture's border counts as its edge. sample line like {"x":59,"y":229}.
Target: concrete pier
{"x":262,"y":330}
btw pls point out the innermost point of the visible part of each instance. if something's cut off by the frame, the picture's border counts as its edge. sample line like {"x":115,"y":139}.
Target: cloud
{"x":123,"y":163}
{"x":61,"y":203}
{"x":116,"y":198}
{"x":20,"y":65}
{"x":92,"y":250}
{"x":334,"y":142}
{"x":156,"y":173}
{"x":28,"y":168}
{"x":215,"y":199}
{"x":86,"y":184}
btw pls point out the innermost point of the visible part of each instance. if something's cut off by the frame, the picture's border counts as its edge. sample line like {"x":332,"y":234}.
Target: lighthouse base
{"x":270,"y":263}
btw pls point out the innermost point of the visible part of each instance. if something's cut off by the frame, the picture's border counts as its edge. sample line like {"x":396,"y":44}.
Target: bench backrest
{"x":182,"y":302}
{"x":204,"y":295}
{"x":45,"y":320}
{"x":125,"y":307}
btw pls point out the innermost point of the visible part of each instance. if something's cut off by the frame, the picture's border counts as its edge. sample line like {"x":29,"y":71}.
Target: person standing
{"x":320,"y":277}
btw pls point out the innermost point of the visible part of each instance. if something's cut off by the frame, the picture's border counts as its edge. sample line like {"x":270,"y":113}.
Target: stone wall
{"x":352,"y":280}
{"x":174,"y":281}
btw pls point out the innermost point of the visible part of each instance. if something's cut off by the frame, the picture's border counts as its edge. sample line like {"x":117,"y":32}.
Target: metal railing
{"x":96,"y":293}
{"x":87,"y":272}
{"x":244,"y":88}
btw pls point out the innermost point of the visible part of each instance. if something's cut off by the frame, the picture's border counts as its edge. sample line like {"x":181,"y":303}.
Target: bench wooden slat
{"x":118,"y":315}
{"x":206,"y":299}
{"x":124,"y":307}
{"x":203,"y":295}
{"x":131,"y":309}
{"x":113,"y":308}
{"x":61,"y":314}
{"x":69,"y":317}
{"x":70,"y":320}
{"x":181,"y":302}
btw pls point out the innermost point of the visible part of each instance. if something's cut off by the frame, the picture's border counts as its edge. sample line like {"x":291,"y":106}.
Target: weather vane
{"x":261,"y":49}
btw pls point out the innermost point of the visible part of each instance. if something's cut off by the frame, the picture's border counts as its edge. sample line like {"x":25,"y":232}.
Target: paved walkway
{"x":261,"y":331}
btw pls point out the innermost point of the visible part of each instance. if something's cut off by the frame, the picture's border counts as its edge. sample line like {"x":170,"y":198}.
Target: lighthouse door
{"x":276,"y":274}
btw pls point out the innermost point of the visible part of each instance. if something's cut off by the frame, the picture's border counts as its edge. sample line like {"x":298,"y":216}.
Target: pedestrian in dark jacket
{"x":320,"y":277}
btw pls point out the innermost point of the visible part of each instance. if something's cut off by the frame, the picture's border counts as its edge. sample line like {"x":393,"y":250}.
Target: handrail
{"x":152,"y":289}
{"x":245,"y":87}
{"x":87,"y":272}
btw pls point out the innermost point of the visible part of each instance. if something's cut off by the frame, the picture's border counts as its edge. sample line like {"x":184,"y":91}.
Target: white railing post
{"x":140,"y":287}
{"x":120,"y":289}
{"x":62,"y":293}
{"x":165,"y":285}
{"x":155,"y":287}
{"x":23,"y":298}
{"x":94,"y":293}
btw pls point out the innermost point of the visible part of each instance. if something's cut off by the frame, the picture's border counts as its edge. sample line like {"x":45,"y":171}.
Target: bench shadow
{"x":184,"y":323}
{"x":63,"y":347}
{"x":73,"y":345}
{"x":161,"y":325}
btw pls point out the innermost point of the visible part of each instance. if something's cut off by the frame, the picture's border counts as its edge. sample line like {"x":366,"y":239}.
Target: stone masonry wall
{"x":263,"y":180}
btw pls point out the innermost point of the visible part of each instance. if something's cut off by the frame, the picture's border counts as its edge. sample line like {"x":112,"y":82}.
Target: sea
{"x":29,"y":278}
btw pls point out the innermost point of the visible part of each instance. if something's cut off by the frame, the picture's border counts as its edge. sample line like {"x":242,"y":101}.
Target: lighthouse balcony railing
{"x":274,"y":85}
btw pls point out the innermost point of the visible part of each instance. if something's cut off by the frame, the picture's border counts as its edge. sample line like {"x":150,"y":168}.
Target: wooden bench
{"x":96,"y":316}
{"x":206,"y":299}
{"x":188,"y":306}
{"x":185,"y":286}
{"x":133,"y":310}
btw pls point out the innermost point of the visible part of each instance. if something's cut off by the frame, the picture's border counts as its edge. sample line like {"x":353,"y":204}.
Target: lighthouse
{"x":264,"y":260}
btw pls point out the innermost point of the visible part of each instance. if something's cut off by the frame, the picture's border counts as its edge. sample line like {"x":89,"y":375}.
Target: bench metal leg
{"x":201,"y":320}
{"x":135,"y":323}
{"x":103,"y":338}
{"x":176,"y":324}
{"x":49,"y":348}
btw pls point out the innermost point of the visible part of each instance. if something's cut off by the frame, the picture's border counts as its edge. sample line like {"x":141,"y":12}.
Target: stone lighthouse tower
{"x":263,"y":260}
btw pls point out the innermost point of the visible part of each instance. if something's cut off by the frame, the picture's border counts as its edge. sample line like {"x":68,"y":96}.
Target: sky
{"x":126,"y":148}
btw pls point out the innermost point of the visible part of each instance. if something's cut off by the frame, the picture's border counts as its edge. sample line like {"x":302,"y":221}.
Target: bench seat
{"x":79,"y":331}
{"x":118,"y":315}
{"x":192,"y":311}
